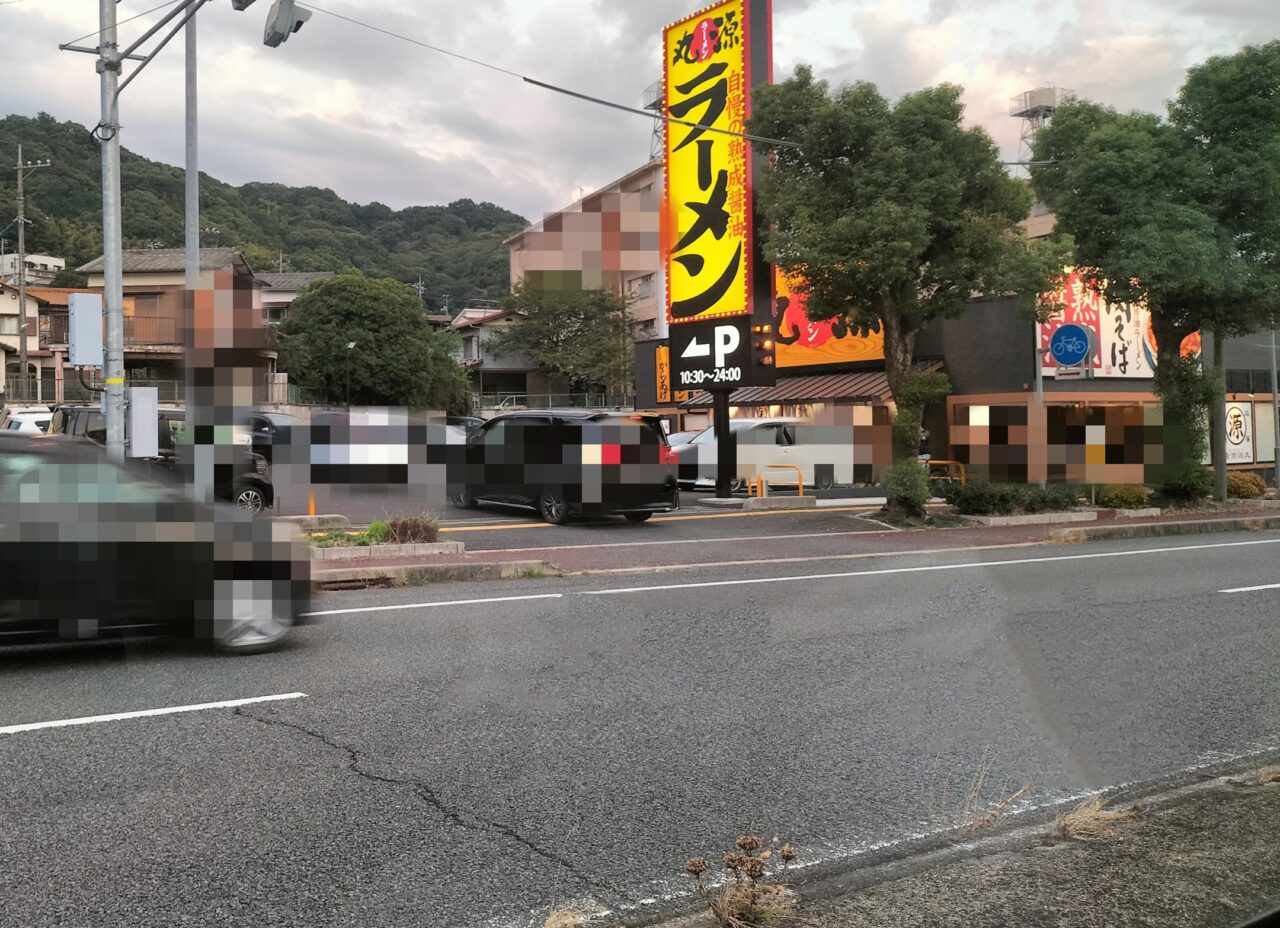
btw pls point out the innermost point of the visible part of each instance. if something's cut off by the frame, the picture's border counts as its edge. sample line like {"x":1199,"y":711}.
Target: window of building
{"x":640,"y":288}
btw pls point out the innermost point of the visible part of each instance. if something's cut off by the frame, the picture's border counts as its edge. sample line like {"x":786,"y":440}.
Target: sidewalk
{"x":569,"y":555}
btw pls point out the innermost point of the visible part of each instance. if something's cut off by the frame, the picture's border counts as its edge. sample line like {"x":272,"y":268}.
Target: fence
{"x":506,"y":401}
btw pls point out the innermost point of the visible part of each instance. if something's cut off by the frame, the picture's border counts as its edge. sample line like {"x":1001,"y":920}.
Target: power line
{"x":648,"y":114}
{"x":92,"y":35}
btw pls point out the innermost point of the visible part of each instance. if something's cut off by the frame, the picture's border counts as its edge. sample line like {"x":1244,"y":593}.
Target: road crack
{"x":465,"y":820}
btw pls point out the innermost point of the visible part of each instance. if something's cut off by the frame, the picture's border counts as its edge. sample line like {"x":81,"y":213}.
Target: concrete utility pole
{"x":1275,"y":402}
{"x":23,"y":171}
{"x":1219,"y":418}
{"x":108,"y":133}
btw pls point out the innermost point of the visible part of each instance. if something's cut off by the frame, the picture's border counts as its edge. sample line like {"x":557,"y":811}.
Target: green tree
{"x":1181,"y":213}
{"x":584,"y":336}
{"x":397,"y":359}
{"x":895,"y":215}
{"x":69,"y":279}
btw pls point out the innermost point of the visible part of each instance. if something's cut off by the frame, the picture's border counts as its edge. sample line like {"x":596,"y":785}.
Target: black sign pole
{"x":726,"y":456}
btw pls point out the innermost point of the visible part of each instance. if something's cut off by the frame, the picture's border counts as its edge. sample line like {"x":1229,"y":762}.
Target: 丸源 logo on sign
{"x":1235,"y":425}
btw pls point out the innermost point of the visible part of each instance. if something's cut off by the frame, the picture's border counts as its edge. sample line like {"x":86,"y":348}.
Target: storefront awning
{"x":858,"y":387}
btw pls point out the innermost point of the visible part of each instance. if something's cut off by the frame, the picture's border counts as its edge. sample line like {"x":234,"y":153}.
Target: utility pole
{"x":108,"y":133}
{"x":23,"y":171}
{"x":1275,"y":402}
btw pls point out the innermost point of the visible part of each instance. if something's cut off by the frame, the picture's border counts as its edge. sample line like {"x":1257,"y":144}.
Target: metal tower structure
{"x":1035,"y":108}
{"x":653,"y":101}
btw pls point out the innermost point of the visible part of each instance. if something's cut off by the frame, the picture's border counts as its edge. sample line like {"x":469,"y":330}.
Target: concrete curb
{"x":418,"y":574}
{"x":348,"y":552}
{"x":1165,"y":529}
{"x":1149,"y":512}
{"x":1036,"y":518}
{"x":756,"y":503}
{"x":318,"y":523}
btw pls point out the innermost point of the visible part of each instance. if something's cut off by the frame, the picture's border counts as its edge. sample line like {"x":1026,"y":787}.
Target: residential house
{"x":279,"y":290}
{"x":38,"y":356}
{"x":155,"y":307}
{"x":500,"y":380}
{"x":41,"y":269}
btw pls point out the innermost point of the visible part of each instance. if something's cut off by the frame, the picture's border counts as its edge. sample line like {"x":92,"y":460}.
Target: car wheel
{"x":736,"y":485}
{"x":251,"y":499}
{"x":463,"y":499}
{"x":637,"y":516}
{"x":825,"y":482}
{"x":552,"y":508}
{"x":249,"y":617}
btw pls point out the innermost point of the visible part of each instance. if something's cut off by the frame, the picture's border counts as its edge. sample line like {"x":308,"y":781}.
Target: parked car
{"x":133,"y":555}
{"x":249,"y":485}
{"x":681,"y":438}
{"x":26,"y":419}
{"x":467,"y":423}
{"x":824,"y":454}
{"x":268,"y":429}
{"x":563,"y":464}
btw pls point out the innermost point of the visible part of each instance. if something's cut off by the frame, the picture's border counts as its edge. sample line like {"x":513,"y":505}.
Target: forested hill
{"x":456,"y":249}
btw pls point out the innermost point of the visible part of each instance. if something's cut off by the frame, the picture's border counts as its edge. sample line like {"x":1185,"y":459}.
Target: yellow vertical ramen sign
{"x":706,"y":211}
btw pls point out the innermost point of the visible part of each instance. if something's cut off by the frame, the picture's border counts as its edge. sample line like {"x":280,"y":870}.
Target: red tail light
{"x":611,"y":454}
{"x":666,"y":455}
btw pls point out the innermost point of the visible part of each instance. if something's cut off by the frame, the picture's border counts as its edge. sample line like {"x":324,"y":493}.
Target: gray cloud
{"x":374,"y":117}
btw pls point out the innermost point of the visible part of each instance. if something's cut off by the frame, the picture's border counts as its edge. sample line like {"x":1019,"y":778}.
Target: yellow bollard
{"x":311,"y":503}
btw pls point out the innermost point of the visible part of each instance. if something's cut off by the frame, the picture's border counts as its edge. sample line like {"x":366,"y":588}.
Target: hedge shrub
{"x":1122,"y":496}
{"x":907,"y":486}
{"x":1007,"y":499}
{"x":1241,"y":485}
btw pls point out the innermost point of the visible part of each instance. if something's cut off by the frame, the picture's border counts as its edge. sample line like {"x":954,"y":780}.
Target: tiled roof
{"x":165,"y":260}
{"x":54,"y":296}
{"x":858,"y":386}
{"x":292,"y":280}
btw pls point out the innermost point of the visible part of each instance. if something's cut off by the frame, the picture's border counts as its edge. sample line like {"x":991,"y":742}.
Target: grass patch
{"x":565,"y":917}
{"x":1091,"y":821}
{"x":398,"y":530}
{"x":1263,"y":776}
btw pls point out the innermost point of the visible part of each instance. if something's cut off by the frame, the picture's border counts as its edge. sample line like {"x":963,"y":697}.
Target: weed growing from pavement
{"x":750,"y":895}
{"x":565,"y":917}
{"x":1090,"y":821}
{"x":980,"y":807}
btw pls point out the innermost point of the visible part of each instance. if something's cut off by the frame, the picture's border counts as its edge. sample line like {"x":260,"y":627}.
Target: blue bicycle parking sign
{"x":1069,"y":345}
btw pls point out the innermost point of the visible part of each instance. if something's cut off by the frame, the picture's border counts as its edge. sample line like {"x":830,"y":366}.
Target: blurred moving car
{"x":568,"y":463}
{"x":91,"y":548}
{"x":29,"y":420}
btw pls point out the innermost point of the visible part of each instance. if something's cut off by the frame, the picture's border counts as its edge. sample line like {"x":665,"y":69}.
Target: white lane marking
{"x":1252,"y":589}
{"x":751,"y":562}
{"x":923,"y":569}
{"x":675,"y":541}
{"x":451,"y":602}
{"x":144,"y":713}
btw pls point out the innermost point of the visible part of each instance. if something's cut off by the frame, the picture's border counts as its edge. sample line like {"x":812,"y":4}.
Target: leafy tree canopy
{"x":457,"y":249}
{"x":894,"y":214}
{"x":397,"y":360}
{"x":585,"y":336}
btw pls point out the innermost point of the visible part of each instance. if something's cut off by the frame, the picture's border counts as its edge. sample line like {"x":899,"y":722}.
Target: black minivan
{"x":570,"y":463}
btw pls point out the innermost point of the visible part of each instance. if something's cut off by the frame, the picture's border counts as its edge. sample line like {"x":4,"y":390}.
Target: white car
{"x":28,"y":420}
{"x":823,"y":454}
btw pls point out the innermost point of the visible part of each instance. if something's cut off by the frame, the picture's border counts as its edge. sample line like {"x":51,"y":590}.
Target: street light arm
{"x":194,"y":7}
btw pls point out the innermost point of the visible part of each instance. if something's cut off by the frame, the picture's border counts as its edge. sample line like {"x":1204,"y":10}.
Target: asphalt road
{"x":469,"y":754}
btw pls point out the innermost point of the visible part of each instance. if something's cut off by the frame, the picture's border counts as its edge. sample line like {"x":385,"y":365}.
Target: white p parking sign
{"x":711,"y":354}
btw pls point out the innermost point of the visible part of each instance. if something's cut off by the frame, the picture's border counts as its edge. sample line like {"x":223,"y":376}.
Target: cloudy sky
{"x":377,"y":118}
